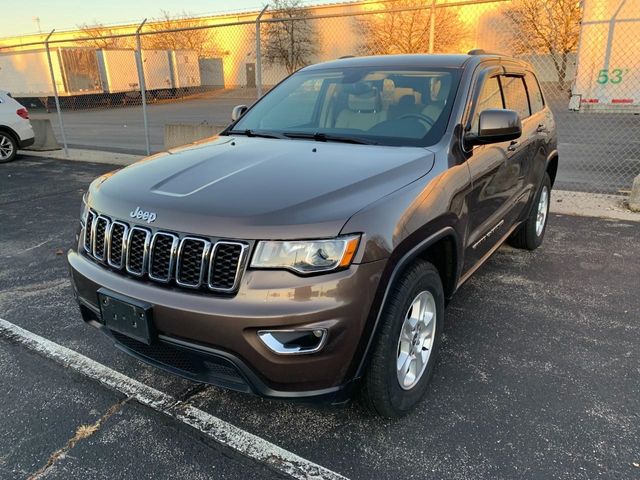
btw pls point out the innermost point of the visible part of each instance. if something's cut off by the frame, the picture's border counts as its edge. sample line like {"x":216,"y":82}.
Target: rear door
{"x":542,"y":121}
{"x":522,"y":151}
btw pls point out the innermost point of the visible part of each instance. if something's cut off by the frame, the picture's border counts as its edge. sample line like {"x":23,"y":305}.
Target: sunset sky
{"x":18,"y":17}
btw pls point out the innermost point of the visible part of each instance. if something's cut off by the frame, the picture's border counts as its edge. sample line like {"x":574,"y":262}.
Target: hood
{"x":257,"y":188}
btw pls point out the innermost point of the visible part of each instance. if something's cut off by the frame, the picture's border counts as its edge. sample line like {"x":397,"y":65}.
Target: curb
{"x":91,"y":156}
{"x":584,"y":204}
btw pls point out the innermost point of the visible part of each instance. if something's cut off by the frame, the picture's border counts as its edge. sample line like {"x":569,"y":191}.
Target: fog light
{"x":294,"y":342}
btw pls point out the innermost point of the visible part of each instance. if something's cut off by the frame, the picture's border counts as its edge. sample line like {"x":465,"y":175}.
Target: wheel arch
{"x":10,"y":131}
{"x":552,"y":166}
{"x":442,"y":248}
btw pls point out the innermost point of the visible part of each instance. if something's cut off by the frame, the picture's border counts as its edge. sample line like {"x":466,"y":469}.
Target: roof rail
{"x":346,"y":56}
{"x":482,"y":51}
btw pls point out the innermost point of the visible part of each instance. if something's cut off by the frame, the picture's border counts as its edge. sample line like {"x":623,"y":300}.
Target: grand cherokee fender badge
{"x":140,"y":214}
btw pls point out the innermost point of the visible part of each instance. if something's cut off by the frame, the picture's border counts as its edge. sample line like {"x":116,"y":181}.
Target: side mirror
{"x":237,"y":112}
{"x":496,"y":126}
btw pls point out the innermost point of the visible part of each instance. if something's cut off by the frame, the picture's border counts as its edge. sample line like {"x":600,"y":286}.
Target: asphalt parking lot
{"x":539,"y":375}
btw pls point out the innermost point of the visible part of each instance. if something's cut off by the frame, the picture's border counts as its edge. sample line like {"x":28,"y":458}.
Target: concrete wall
{"x":177,"y":134}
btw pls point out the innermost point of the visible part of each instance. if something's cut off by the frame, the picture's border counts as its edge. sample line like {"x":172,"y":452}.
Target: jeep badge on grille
{"x":140,"y":214}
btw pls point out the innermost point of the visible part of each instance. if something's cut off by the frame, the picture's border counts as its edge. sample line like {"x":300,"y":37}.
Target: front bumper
{"x":213,"y":339}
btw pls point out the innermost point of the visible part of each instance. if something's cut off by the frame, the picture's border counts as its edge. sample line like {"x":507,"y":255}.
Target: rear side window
{"x":490,"y":98}
{"x":515,"y":95}
{"x":535,"y":95}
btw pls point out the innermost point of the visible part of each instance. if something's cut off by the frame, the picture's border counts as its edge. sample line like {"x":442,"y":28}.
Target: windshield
{"x":407,"y":106}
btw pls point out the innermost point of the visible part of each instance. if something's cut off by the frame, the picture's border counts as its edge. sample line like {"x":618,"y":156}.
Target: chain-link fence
{"x":117,"y":91}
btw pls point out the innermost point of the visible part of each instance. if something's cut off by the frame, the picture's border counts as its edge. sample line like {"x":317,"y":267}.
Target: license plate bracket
{"x":127,"y":316}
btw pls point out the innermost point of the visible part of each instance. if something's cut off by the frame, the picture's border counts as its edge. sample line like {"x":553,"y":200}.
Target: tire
{"x":529,"y":235}
{"x":8,"y":147}
{"x":381,"y":390}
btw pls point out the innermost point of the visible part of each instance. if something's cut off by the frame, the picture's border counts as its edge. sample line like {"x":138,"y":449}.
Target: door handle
{"x":541,"y":128}
{"x":513,"y":145}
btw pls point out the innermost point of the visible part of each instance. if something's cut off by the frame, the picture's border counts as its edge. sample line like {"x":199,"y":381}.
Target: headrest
{"x":364,"y":102}
{"x":401,"y":92}
{"x":442,"y":92}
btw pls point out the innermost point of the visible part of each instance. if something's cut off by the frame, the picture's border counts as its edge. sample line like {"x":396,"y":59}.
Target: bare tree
{"x":546,"y":26}
{"x":395,"y":31}
{"x":191,"y":35}
{"x":292,"y":41}
{"x":93,"y":36}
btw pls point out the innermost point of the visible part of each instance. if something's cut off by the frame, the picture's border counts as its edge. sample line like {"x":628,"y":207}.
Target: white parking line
{"x":222,"y":432}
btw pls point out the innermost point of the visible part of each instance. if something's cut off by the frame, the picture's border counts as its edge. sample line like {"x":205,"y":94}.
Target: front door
{"x":496,"y":198}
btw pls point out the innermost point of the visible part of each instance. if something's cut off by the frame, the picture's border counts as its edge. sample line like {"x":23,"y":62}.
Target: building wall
{"x":337,"y":36}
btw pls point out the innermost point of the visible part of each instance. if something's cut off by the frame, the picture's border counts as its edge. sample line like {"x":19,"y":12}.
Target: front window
{"x":404,"y":106}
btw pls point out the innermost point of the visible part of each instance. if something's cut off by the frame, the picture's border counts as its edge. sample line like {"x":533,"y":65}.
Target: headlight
{"x":307,"y":256}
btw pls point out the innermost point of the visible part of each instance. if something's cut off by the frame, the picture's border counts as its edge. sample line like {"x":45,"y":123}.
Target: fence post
{"x":432,"y":26}
{"x":143,"y":86}
{"x":55,"y":95}
{"x":259,"y":54}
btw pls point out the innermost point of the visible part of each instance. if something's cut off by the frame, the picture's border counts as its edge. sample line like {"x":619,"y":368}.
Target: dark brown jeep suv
{"x":310,"y":247}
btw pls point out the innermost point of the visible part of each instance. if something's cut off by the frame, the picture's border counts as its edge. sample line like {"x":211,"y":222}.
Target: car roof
{"x":414,"y":60}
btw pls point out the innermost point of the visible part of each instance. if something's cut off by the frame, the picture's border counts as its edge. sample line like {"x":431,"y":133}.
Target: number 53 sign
{"x":614,"y":76}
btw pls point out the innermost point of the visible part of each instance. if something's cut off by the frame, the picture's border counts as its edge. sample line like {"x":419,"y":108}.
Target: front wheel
{"x":8,"y":147}
{"x":407,"y":344}
{"x":530,"y":234}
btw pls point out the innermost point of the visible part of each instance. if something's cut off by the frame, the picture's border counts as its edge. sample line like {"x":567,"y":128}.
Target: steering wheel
{"x":419,"y":116}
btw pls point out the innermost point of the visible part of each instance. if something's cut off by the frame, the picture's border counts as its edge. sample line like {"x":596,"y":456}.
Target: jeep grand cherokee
{"x":310,"y":247}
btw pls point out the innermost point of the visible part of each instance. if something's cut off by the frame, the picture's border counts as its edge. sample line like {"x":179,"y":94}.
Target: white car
{"x":15,"y":128}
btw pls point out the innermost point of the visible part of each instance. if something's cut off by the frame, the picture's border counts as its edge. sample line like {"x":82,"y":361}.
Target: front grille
{"x":165,"y":257}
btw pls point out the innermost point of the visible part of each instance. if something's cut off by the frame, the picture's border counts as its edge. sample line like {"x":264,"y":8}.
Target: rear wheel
{"x":8,"y":147}
{"x":530,"y":234}
{"x":407,"y":344}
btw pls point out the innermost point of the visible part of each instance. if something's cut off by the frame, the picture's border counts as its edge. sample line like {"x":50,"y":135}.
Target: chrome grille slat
{"x":99,"y":230}
{"x":162,"y":256}
{"x":117,"y":244}
{"x":165,"y":257}
{"x":88,"y":228}
{"x":225,"y":262}
{"x":192,"y":257}
{"x":138,"y":251}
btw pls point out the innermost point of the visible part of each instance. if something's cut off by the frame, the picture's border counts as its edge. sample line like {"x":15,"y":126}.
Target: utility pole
{"x":37,"y":20}
{"x":432,"y":26}
{"x":55,"y":95}
{"x":259,"y":54}
{"x":143,"y":87}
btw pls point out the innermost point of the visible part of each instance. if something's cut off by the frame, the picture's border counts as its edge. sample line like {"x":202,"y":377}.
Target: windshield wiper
{"x":328,"y":137}
{"x":255,"y":133}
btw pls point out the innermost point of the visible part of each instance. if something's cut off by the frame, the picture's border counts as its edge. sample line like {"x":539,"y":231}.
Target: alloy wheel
{"x":543,"y":206}
{"x":6,"y":147}
{"x":416,"y":340}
